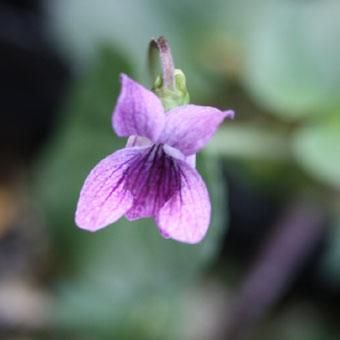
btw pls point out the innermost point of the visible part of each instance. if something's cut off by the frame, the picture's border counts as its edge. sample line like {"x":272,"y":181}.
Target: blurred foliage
{"x":330,"y":264}
{"x":276,"y":62}
{"x":301,"y":321}
{"x":316,"y":147}
{"x":126,"y":278}
{"x":287,"y":51}
{"x":293,"y":60}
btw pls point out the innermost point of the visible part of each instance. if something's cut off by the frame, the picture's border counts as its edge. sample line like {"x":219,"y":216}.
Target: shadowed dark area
{"x":32,"y":82}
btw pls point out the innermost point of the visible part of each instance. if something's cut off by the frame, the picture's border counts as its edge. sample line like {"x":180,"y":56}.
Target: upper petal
{"x":185,"y":216}
{"x":189,"y":127}
{"x":104,"y":197}
{"x":138,"y":111}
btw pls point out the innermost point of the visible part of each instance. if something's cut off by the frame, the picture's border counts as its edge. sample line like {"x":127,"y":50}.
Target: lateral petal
{"x":138,"y":111}
{"x":189,"y":127}
{"x":104,"y":197}
{"x":185,"y":216}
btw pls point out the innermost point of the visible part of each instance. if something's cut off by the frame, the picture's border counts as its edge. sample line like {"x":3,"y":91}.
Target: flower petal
{"x":138,"y":141}
{"x":152,"y":180}
{"x":104,"y":197}
{"x":191,"y":160}
{"x":186,"y":216}
{"x":189,"y":127}
{"x":175,"y":153}
{"x":138,"y":111}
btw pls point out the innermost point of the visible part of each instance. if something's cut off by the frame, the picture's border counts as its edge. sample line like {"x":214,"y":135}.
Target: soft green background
{"x":277,"y":63}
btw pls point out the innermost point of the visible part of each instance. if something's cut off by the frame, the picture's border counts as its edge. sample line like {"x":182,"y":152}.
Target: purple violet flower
{"x":154,"y":175}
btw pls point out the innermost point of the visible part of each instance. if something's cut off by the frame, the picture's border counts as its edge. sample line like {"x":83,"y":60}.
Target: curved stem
{"x":168,"y":70}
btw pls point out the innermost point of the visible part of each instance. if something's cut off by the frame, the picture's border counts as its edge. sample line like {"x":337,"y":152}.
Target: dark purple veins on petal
{"x":152,"y":179}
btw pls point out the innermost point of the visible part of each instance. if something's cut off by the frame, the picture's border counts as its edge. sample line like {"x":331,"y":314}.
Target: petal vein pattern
{"x":104,"y":197}
{"x":152,"y":181}
{"x":186,"y":216}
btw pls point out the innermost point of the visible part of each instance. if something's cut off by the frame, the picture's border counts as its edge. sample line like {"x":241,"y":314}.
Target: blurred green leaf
{"x":79,"y":25}
{"x":316,"y":147}
{"x":330,"y":264}
{"x":125,"y":278}
{"x":292,"y":56}
{"x":249,"y":141}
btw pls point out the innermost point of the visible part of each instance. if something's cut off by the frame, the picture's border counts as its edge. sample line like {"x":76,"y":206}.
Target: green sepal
{"x":172,"y":97}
